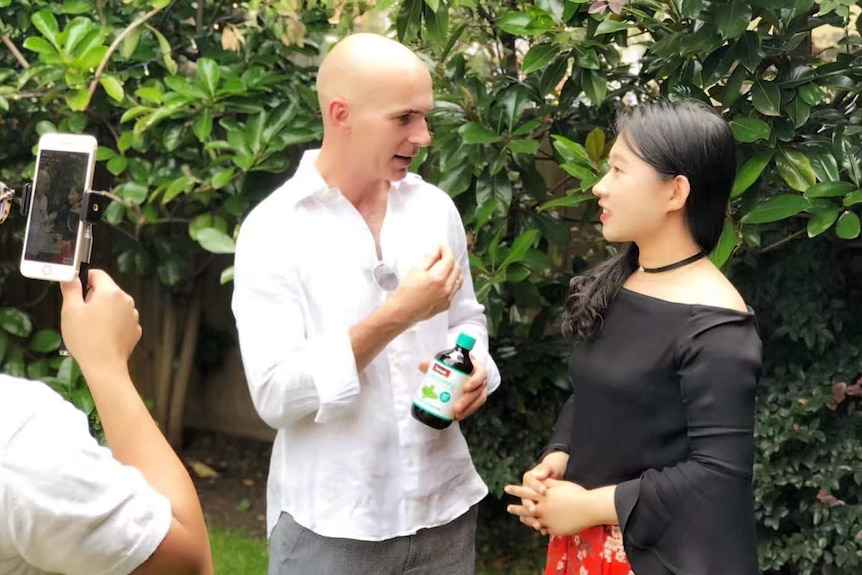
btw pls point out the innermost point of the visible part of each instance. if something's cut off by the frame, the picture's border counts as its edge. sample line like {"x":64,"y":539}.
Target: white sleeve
{"x":69,"y":506}
{"x":290,"y":376}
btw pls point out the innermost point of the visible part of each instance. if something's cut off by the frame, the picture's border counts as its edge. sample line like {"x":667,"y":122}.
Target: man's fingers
{"x":468,"y":404}
{"x":431,"y":258}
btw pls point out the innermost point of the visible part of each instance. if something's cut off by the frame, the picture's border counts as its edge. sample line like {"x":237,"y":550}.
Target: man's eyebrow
{"x":410,"y":112}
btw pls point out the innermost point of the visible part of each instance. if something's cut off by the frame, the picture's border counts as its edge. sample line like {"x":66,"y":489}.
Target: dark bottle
{"x":442,"y":384}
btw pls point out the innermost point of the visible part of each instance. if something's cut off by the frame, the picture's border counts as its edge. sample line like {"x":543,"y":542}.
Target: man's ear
{"x":339,"y":112}
{"x":678,"y":190}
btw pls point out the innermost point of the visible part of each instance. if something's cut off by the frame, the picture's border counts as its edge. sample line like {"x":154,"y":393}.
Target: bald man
{"x":347,"y":278}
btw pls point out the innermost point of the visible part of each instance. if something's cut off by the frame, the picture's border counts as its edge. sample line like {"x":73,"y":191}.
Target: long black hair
{"x":682,"y":138}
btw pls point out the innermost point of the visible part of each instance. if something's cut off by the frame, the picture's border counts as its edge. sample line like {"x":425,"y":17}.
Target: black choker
{"x":673,"y":266}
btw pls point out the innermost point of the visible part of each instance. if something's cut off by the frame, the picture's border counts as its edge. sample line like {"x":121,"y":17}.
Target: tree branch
{"x":782,"y":241}
{"x":113,"y":48}
{"x":15,"y":52}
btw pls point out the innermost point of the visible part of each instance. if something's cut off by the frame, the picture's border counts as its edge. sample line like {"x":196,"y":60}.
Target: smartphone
{"x":53,"y":239}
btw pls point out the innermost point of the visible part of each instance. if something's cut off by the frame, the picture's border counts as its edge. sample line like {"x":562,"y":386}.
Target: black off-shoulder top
{"x":663,"y":407}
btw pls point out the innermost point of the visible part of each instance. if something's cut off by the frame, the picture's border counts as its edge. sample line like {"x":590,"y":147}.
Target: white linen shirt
{"x":66,"y":505}
{"x":349,"y":460}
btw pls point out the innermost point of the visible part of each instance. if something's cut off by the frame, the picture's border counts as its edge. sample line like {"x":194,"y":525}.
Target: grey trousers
{"x":445,"y":550}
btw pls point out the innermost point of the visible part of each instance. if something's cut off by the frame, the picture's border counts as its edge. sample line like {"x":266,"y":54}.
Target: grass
{"x":235,"y":553}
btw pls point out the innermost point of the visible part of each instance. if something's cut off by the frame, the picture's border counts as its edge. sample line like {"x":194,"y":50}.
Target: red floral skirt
{"x":594,"y":551}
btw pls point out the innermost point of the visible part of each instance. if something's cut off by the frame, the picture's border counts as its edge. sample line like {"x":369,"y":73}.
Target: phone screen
{"x":55,"y":206}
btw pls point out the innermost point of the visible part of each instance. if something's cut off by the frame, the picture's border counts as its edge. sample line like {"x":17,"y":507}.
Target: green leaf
{"x":851,"y":162}
{"x":608,"y":26}
{"x":748,"y":130}
{"x":530,"y":147}
{"x":15,"y":321}
{"x":112,"y":87}
{"x":732,"y":18}
{"x":691,"y":8}
{"x":538,"y":57}
{"x":408,"y":20}
{"x":222,"y":177}
{"x":853,"y":198}
{"x":727,"y":243}
{"x":75,"y":31}
{"x":46,"y":24}
{"x":14,"y":365}
{"x":595,"y":145}
{"x":776,"y":208}
{"x":76,"y":7}
{"x":209,"y":74}
{"x":821,"y":220}
{"x":45,"y":340}
{"x":733,"y":86}
{"x":829,"y":189}
{"x":39,"y":45}
{"x":595,"y":86}
{"x":165,"y":47}
{"x":115,"y":213}
{"x":567,"y":201}
{"x":433,"y":4}
{"x":798,"y":111}
{"x":519,"y":248}
{"x":78,"y":100}
{"x":117,"y":165}
{"x":132,"y":191}
{"x":795,"y":169}
{"x":216,"y":241}
{"x":825,"y":167}
{"x":810,"y":94}
{"x":848,"y":226}
{"x":205,"y":221}
{"x":750,"y":172}
{"x":68,"y":372}
{"x":130,"y":43}
{"x":748,"y":50}
{"x":177,"y":187}
{"x":475,"y":133}
{"x":437,"y":25}
{"x":570,"y":151}
{"x":226,"y":275}
{"x":203,"y":125}
{"x":766,"y":97}
{"x":532,"y":22}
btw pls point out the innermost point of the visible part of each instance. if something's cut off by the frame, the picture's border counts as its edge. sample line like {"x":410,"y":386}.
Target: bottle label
{"x":440,"y":389}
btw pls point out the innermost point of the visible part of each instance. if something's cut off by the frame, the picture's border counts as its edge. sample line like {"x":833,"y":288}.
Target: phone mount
{"x":93,"y":204}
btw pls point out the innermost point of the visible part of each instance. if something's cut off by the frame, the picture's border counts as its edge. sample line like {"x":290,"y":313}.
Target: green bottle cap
{"x":465,"y":341}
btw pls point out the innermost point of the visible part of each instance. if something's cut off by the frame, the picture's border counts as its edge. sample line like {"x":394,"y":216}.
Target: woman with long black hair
{"x":649,"y":467}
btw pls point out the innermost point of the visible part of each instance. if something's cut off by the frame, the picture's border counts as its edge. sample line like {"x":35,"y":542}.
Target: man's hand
{"x":534,"y":487}
{"x":474,"y":393}
{"x":429,"y":288}
{"x":102,"y":327}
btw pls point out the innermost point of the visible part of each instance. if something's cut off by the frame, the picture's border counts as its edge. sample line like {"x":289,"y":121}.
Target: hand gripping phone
{"x":53,"y":241}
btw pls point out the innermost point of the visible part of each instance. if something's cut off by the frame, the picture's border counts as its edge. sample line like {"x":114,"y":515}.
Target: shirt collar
{"x":312,"y":183}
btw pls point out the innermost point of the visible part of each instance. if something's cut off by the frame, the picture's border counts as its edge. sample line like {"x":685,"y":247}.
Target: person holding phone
{"x":649,"y":468}
{"x":348,"y":277}
{"x":71,"y":506}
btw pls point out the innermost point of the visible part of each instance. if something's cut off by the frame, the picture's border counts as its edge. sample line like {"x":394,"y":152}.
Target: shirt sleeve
{"x":289,"y":376}
{"x":698,"y":516}
{"x":466,"y":314}
{"x":561,"y":437}
{"x":69,"y":506}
